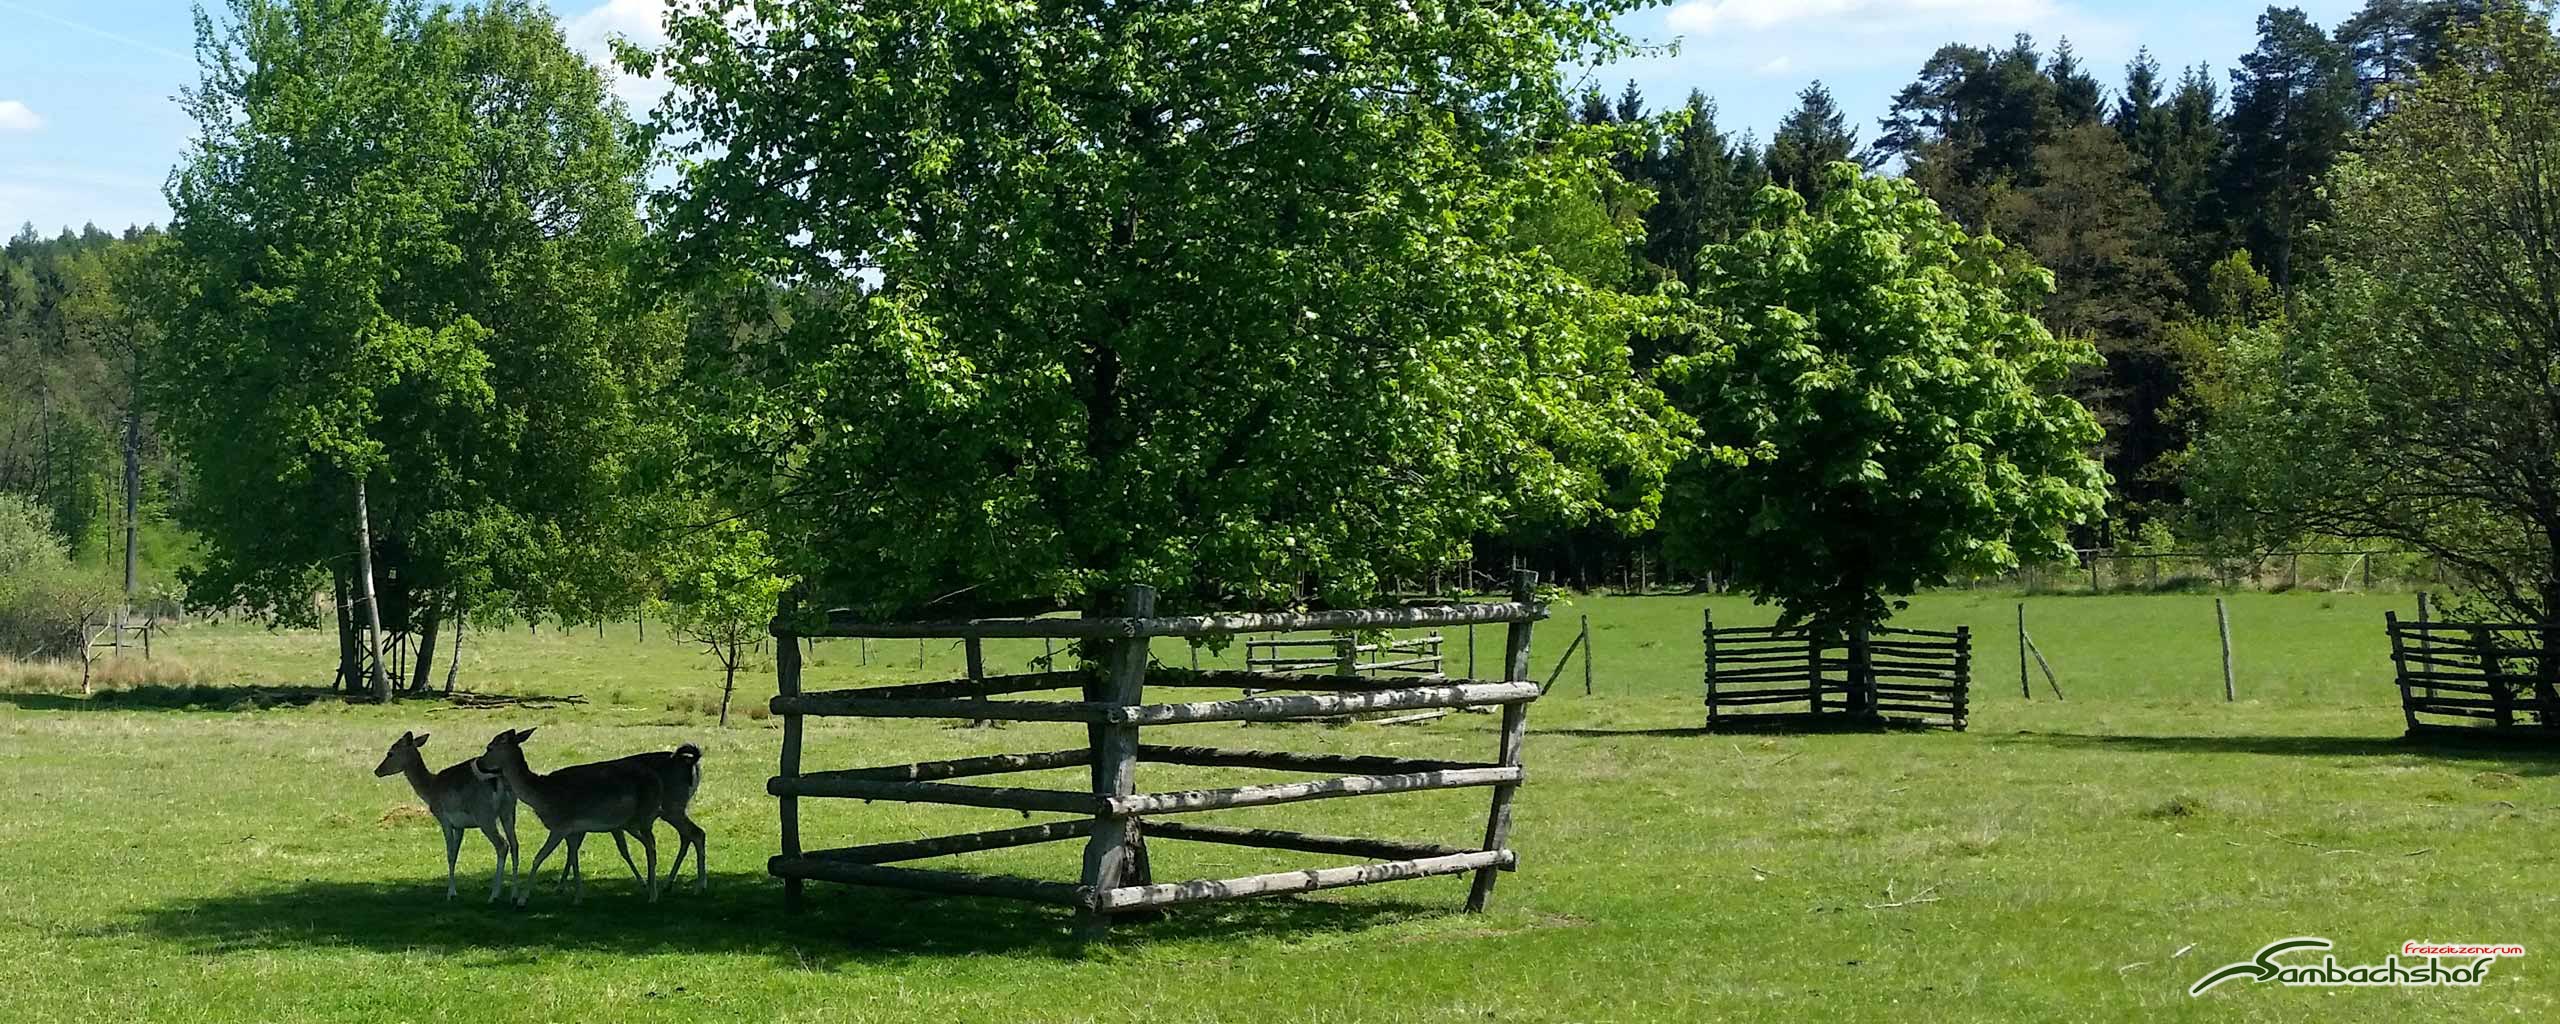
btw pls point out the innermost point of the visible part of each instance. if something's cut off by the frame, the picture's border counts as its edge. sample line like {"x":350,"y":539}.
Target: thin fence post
{"x":1471,"y":650}
{"x":2026,"y":690}
{"x":1707,"y":634}
{"x":2222,"y":619}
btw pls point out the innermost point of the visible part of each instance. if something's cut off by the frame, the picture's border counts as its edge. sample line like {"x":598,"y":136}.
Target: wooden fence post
{"x":2400,"y":667}
{"x":1586,"y":655}
{"x":2493,"y":670}
{"x":786,"y":678}
{"x":2026,"y":690}
{"x":1707,"y":631}
{"x":1515,"y":729}
{"x":2426,"y":638}
{"x":1116,"y":855}
{"x":2222,"y":619}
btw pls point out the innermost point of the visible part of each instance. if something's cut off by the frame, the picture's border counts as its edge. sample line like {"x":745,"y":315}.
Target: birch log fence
{"x":1759,"y":676}
{"x":1113,"y":816}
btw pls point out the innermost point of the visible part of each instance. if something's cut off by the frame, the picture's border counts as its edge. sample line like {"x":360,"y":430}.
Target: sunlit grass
{"x":2084,"y":860}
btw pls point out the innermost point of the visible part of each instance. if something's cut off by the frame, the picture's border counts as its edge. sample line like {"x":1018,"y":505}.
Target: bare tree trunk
{"x":453,"y":661}
{"x":425,"y":668}
{"x":132,"y":506}
{"x":372,"y":609}
{"x":348,"y":671}
{"x":728,"y":682}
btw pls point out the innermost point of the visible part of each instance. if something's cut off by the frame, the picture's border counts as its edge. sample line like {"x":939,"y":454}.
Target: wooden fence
{"x":2473,"y":676}
{"x":1413,"y":656}
{"x":1766,"y":675}
{"x":1113,"y":817}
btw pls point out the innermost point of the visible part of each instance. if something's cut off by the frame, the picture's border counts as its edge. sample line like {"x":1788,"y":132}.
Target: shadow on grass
{"x":2518,"y":755}
{"x":741,"y":914}
{"x":243,"y":697}
{"x":1764,"y":725}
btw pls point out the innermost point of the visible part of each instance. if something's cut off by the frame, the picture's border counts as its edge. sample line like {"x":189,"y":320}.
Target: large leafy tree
{"x":398,"y":264}
{"x":1224,"y":298}
{"x":1879,"y":409}
{"x":2416,"y":396}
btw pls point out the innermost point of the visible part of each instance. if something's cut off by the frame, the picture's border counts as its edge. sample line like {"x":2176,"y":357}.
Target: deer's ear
{"x":523,"y":735}
{"x":418,"y":740}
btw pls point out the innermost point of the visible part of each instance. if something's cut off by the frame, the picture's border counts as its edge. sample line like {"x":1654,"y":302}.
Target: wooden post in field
{"x":2049,"y":681}
{"x":786,"y":677}
{"x":977,"y":672}
{"x":1115,"y":853}
{"x":919,"y":654}
{"x":372,"y":609}
{"x":2026,"y":690}
{"x":1586,"y":655}
{"x":2222,"y":618}
{"x":1471,"y":650}
{"x":1515,"y":729}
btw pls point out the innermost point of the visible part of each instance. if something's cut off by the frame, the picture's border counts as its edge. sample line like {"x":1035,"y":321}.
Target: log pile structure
{"x":1113,"y":817}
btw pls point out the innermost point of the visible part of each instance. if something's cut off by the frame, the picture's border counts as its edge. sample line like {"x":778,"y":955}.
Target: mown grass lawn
{"x":2084,"y":860}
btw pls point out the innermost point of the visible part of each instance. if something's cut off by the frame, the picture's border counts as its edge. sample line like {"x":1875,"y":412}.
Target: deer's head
{"x":403,"y":751}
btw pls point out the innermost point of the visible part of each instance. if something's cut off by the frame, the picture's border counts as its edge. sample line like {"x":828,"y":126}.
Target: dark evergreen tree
{"x":1814,"y":136}
{"x":1704,"y":183}
{"x":2077,"y":99}
{"x":2293,"y":101}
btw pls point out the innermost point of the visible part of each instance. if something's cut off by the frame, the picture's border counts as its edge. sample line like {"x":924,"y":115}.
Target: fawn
{"x":620,"y":796}
{"x":464,"y":796}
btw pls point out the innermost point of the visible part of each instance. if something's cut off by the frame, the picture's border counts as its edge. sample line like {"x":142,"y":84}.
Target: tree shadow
{"x":742,"y":913}
{"x":2513,"y":754}
{"x":204,"y":697}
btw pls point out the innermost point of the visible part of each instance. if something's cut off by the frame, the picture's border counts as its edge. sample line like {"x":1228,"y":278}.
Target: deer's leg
{"x":452,"y":852}
{"x":625,"y":847}
{"x":515,"y":849}
{"x":547,"y":846}
{"x":648,"y":836}
{"x":689,"y":834}
{"x":498,"y":845}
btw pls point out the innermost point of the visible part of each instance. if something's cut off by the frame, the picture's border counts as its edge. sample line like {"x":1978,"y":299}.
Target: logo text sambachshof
{"x":2418,"y":964}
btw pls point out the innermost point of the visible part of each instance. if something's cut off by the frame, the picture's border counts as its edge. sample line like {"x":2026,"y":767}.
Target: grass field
{"x":234,"y":860}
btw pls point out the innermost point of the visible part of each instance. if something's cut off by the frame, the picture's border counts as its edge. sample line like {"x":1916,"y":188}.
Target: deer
{"x":462,"y":797}
{"x":622,"y":796}
{"x":679,"y":773}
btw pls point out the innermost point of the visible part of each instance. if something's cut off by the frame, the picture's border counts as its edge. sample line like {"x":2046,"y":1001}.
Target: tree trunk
{"x":348,"y":669}
{"x":132,"y":507}
{"x":372,"y":610}
{"x":728,"y":682}
{"x":425,"y":668}
{"x":453,"y":661}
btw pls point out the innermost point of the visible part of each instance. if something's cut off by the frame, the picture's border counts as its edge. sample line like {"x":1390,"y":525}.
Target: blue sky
{"x":89,"y":126}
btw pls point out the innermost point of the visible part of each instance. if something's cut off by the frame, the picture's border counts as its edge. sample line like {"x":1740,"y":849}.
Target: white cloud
{"x":1709,"y":16}
{"x":642,"y":22}
{"x":17,"y":119}
{"x":1775,"y":67}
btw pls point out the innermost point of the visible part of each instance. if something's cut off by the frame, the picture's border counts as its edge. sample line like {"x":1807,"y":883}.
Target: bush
{"x":46,"y":603}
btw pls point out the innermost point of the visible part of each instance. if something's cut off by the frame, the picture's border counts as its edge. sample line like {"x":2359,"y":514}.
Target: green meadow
{"x":222,"y":852}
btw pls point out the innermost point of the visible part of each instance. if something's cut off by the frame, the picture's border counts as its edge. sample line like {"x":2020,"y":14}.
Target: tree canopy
{"x":2415,"y":398}
{"x":400,"y":255}
{"x":1878,"y":407}
{"x":1223,"y":298}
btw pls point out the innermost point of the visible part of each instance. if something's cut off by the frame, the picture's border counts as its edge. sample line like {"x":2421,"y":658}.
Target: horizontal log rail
{"x":957,"y":882}
{"x":1220,"y":757}
{"x":1011,"y":798}
{"x":1302,"y":842}
{"x":1221,"y":679}
{"x":1137,"y":896}
{"x":992,"y":764}
{"x":1122,"y":628}
{"x":971,"y":842}
{"x":1323,"y":705}
{"x":1183,"y":801}
{"x":841,"y":705}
